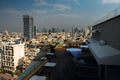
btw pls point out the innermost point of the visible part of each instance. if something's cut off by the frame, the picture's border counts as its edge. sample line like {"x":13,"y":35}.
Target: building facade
{"x":0,"y":59}
{"x":11,"y":58}
{"x":108,"y":31}
{"x":28,"y":27}
{"x":105,"y":47}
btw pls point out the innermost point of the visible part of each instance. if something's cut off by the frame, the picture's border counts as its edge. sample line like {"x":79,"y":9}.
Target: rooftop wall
{"x":108,"y":31}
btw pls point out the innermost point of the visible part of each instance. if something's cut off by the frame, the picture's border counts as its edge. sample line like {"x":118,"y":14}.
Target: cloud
{"x":61,"y":7}
{"x":37,"y":12}
{"x":77,"y":2}
{"x":70,"y":15}
{"x":40,"y":3}
{"x":110,"y":1}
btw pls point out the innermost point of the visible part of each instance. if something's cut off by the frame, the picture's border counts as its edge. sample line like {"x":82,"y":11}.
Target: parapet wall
{"x":108,"y":31}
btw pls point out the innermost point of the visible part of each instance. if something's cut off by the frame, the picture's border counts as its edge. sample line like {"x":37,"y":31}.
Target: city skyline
{"x":54,"y":13}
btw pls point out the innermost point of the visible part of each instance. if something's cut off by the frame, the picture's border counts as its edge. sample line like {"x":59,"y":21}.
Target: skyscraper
{"x":34,"y":31}
{"x":28,"y":26}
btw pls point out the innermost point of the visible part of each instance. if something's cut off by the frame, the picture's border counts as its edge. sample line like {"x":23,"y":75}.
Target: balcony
{"x":9,"y":47}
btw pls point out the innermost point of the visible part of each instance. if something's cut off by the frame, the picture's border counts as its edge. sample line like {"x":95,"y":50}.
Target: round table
{"x":84,"y":46}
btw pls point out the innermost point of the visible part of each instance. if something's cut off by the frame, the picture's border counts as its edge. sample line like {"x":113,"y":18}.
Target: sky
{"x":54,"y":13}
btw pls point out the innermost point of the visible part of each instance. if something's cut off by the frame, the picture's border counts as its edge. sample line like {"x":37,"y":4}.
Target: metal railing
{"x":110,"y":15}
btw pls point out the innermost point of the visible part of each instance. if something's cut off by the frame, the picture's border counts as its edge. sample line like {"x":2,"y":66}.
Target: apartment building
{"x":12,"y":56}
{"x":0,"y":58}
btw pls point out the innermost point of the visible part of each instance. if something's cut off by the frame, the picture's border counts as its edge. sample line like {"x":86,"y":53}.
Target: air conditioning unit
{"x":96,"y":31}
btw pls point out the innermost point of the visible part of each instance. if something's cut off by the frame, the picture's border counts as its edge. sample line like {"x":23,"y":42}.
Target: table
{"x":43,"y":58}
{"x":50,"y":66}
{"x":84,"y":46}
{"x":38,"y":78}
{"x":74,"y":51}
{"x":50,"y":54}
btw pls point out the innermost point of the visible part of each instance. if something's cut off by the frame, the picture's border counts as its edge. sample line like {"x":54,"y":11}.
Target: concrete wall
{"x":109,"y":32}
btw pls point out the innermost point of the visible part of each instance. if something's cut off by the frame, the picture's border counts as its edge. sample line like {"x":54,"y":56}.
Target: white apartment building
{"x":0,"y":59}
{"x":12,"y":55}
{"x":0,"y":55}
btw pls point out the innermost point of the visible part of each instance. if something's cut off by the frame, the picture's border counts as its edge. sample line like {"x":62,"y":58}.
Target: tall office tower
{"x":72,"y":31}
{"x":34,"y":31}
{"x":12,"y":56}
{"x":53,"y":30}
{"x":28,"y":26}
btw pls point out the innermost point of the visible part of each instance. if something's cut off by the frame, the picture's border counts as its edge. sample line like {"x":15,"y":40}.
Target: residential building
{"x":0,"y":59}
{"x":12,"y":56}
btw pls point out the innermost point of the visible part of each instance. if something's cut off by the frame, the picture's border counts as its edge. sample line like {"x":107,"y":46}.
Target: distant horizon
{"x":54,"y":13}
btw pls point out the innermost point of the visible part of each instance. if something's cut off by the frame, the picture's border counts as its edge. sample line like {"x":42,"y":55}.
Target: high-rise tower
{"x":28,"y":26}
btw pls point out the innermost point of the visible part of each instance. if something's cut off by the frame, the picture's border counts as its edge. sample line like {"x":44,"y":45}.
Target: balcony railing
{"x":110,"y":15}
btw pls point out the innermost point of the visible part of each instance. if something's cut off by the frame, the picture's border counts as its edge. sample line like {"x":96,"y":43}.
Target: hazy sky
{"x":54,"y":13}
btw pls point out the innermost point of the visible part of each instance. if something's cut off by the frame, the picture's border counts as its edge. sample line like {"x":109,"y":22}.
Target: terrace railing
{"x":110,"y":15}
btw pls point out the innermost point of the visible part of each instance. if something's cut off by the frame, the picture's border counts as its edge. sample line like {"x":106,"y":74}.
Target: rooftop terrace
{"x":66,"y":68}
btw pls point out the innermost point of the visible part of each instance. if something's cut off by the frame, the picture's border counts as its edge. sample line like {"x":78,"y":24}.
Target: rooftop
{"x":65,"y":69}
